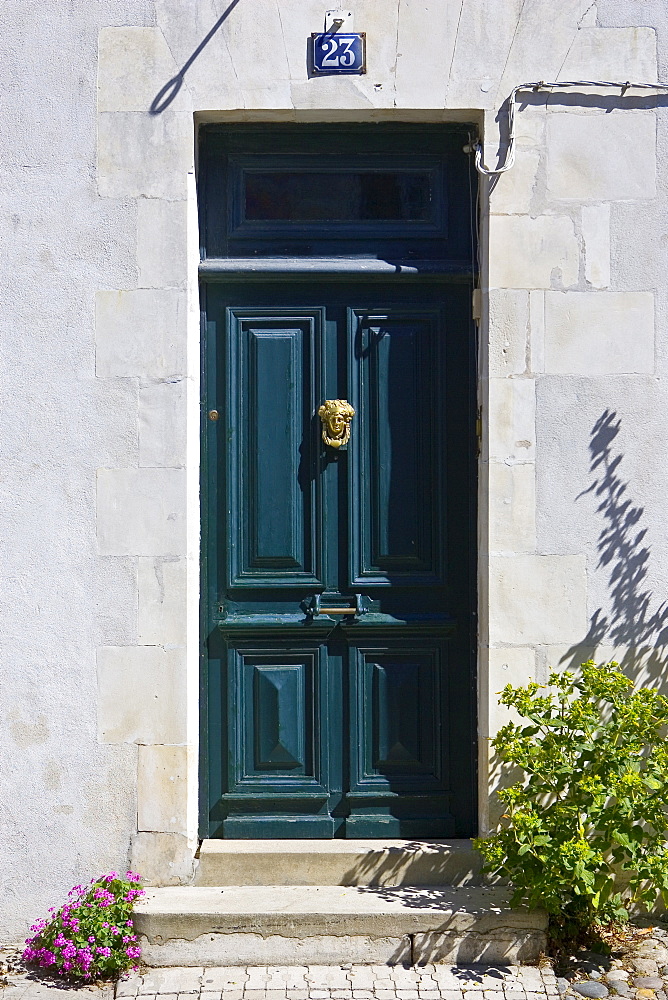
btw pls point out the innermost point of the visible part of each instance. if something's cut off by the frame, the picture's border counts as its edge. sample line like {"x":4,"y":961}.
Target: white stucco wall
{"x":100,"y":519}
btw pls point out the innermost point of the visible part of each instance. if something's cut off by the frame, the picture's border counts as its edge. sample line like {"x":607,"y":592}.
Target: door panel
{"x":397,"y":388}
{"x":279,"y":725}
{"x":399,"y":714}
{"x":399,"y":739}
{"x":274,"y":384}
{"x":351,"y":725}
{"x":279,"y":716}
{"x":277,"y":753}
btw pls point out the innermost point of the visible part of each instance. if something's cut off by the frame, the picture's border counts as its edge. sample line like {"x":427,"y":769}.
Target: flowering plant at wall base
{"x":92,"y":935}
{"x":584,"y":834}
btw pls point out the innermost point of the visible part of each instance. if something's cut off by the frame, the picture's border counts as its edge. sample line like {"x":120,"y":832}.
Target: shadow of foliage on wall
{"x":634,"y":620}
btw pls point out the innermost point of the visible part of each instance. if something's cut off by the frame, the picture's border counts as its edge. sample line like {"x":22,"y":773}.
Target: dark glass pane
{"x":346,"y":196}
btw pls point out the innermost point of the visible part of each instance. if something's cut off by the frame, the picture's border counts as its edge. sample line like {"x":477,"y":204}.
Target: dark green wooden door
{"x":325,"y":724}
{"x":338,"y":616}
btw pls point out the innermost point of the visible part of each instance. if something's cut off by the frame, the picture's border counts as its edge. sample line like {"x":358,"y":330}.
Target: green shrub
{"x":584,"y":832}
{"x":92,"y":934}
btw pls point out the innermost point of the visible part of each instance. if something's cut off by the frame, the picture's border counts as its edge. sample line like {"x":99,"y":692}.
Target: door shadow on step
{"x":415,"y":863}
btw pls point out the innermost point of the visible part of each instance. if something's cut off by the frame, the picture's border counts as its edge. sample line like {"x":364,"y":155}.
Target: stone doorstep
{"x":330,"y":925}
{"x":338,"y":862}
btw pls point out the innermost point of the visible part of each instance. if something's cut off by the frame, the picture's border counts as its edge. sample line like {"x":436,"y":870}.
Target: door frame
{"x":231,"y":270}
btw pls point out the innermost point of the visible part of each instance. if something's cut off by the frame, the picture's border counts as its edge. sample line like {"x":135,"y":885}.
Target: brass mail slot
{"x":337,"y":611}
{"x":313,"y":607}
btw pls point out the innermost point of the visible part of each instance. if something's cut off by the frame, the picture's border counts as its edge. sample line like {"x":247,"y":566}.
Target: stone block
{"x":176,"y":980}
{"x":239,"y":62}
{"x":514,"y":190}
{"x":328,"y":978}
{"x":161,"y":243}
{"x":480,"y":51}
{"x":141,"y":695}
{"x":274,"y":948}
{"x":537,"y":331}
{"x":144,"y":156}
{"x":513,"y":665}
{"x":326,"y":863}
{"x":232,"y":977}
{"x":646,"y":666}
{"x":596,"y":236}
{"x":351,"y":94}
{"x":134,"y":63}
{"x":512,"y":508}
{"x":115,"y":622}
{"x":541,"y":42}
{"x":511,"y":419}
{"x":537,"y":599}
{"x":425,"y":39}
{"x":140,"y":332}
{"x":499,"y":946}
{"x":612,"y":54}
{"x":128,"y":986}
{"x":141,"y":512}
{"x":163,"y":858}
{"x":508,"y":329}
{"x":601,"y":157}
{"x":599,"y":333}
{"x":527,"y":252}
{"x":162,"y":604}
{"x":530,"y":127}
{"x":639,"y":252}
{"x":162,"y":424}
{"x":162,"y":779}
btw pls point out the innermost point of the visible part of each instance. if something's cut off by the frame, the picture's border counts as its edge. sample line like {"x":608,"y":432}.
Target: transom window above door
{"x":383,"y":191}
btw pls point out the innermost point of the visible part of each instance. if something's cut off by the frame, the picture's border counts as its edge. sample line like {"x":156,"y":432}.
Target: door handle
{"x":313,"y":607}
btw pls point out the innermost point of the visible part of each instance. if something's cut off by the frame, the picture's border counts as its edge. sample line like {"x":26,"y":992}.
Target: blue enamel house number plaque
{"x":339,"y":53}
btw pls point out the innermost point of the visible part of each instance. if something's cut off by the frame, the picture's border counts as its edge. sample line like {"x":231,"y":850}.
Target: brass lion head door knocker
{"x":336,"y":415}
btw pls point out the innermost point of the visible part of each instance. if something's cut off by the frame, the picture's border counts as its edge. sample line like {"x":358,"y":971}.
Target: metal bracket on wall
{"x":339,"y":20}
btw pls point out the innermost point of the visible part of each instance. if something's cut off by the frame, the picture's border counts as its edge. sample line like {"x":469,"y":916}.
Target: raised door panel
{"x":278,"y":719}
{"x":274,"y":512}
{"x":397,"y":493}
{"x":277,"y":703}
{"x":399,"y":693}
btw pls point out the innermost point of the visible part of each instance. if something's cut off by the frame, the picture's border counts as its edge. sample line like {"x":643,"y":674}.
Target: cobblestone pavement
{"x":351,"y":982}
{"x":637,"y":969}
{"x":356,"y":982}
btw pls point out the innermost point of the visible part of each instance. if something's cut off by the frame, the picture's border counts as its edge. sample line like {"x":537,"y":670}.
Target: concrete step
{"x":338,"y":862}
{"x":330,"y":925}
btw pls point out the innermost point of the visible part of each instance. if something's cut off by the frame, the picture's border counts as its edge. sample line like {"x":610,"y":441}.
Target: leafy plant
{"x":92,"y":934}
{"x":584,"y":833}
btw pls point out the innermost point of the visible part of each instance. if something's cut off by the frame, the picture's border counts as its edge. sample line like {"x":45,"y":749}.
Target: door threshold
{"x":390,"y":862}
